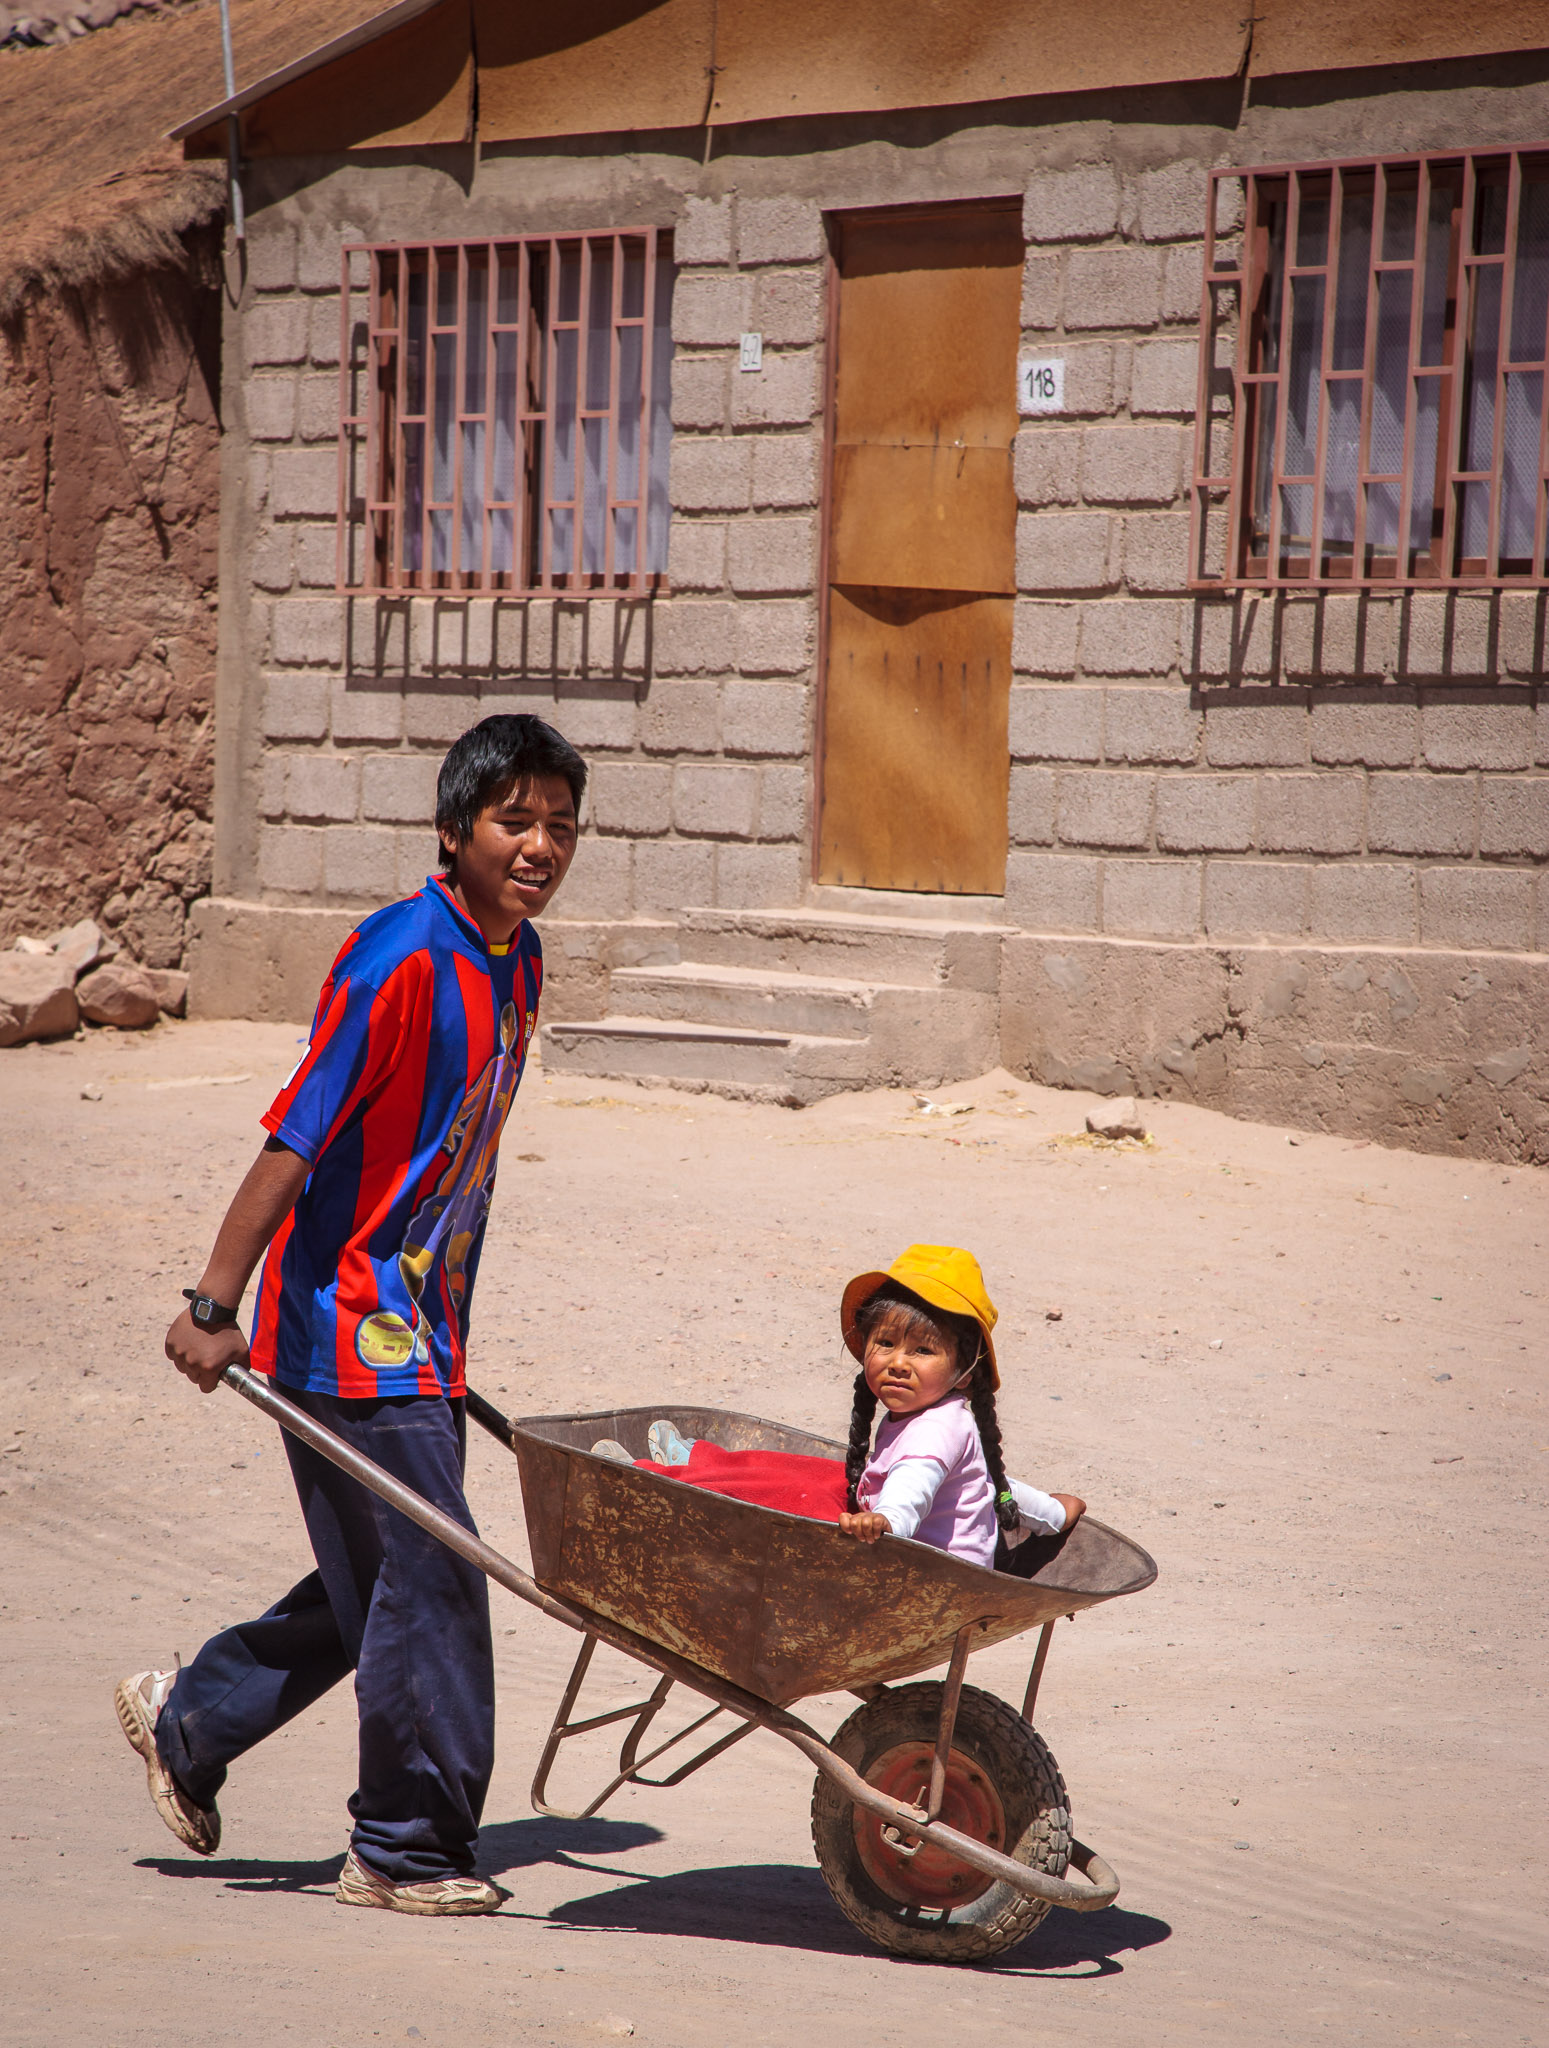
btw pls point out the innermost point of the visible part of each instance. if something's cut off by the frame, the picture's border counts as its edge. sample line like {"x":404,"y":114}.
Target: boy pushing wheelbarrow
{"x":370,"y":1196}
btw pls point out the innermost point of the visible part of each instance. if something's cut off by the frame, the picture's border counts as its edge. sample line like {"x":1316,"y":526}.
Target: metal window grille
{"x":1372,"y":371}
{"x":504,"y":414}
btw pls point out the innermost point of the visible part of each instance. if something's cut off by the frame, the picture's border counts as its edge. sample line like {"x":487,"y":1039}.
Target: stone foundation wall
{"x":109,"y":511}
{"x":1441,"y":1050}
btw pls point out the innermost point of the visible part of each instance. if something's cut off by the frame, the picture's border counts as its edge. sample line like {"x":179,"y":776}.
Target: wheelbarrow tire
{"x":1003,"y":1782}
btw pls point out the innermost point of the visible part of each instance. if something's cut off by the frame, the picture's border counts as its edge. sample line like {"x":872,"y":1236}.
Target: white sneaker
{"x":359,"y":1886}
{"x":139,"y":1701}
{"x":664,"y":1446}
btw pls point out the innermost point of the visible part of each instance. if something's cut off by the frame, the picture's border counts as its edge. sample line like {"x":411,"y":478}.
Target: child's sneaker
{"x":360,"y":1886}
{"x":665,"y":1447}
{"x":610,"y":1447}
{"x":139,"y":1701}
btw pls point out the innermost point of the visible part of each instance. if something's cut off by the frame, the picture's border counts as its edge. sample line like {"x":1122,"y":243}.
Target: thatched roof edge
{"x":90,"y":188}
{"x":135,"y":221}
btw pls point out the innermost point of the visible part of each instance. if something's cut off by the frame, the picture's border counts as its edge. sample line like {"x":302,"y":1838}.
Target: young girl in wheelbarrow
{"x":921,"y":1331}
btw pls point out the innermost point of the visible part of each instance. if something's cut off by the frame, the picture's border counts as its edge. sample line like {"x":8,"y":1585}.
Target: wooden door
{"x":921,"y":551}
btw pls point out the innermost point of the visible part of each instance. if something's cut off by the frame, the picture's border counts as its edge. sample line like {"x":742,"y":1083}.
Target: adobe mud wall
{"x":109,"y":521}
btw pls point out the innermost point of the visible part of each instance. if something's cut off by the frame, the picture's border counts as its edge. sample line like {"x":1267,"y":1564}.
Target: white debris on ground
{"x":926,"y":1107}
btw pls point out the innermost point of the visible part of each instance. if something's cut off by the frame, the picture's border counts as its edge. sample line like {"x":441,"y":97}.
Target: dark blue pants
{"x":387,"y":1601}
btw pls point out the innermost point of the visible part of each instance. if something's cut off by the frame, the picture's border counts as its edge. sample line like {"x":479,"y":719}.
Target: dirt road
{"x":1308,"y":1375}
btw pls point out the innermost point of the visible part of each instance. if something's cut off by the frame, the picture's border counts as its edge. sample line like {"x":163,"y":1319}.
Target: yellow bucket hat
{"x":942,"y":1274}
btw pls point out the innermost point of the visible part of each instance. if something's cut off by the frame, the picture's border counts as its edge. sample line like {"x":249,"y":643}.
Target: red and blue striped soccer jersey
{"x":417,"y":1048}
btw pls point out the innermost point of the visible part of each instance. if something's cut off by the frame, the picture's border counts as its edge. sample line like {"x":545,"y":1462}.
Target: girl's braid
{"x":981,"y":1401}
{"x":862,"y":1415}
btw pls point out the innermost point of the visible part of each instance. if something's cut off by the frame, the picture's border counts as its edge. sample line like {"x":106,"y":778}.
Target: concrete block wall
{"x":1185,"y":766}
{"x":1248,"y":766}
{"x":695,"y":709}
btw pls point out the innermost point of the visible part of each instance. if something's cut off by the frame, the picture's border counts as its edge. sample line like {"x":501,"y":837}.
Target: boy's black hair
{"x":962,"y":1336}
{"x":487,"y":763}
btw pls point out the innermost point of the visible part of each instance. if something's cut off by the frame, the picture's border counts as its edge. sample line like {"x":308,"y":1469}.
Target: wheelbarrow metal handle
{"x":256,"y":1388}
{"x":1037,"y":1884}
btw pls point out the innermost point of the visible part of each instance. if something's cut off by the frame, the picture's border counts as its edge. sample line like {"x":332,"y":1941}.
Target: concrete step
{"x":790,"y":1005}
{"x":579,"y":953}
{"x":756,"y":997}
{"x":918,"y":906}
{"x":788,"y":1067}
{"x":901,"y":951}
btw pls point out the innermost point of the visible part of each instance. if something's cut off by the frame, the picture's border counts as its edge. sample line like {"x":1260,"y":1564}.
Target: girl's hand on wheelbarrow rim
{"x":865,"y":1527}
{"x":203,"y":1355}
{"x":1074,"y":1506}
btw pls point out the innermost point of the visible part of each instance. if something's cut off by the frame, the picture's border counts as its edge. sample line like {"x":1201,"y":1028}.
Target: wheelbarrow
{"x":940,"y":1821}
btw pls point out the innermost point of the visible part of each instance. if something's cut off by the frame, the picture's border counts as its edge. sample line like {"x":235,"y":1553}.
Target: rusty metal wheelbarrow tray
{"x":778,"y":1604}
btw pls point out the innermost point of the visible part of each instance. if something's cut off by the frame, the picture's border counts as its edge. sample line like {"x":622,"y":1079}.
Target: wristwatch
{"x":208,"y":1314}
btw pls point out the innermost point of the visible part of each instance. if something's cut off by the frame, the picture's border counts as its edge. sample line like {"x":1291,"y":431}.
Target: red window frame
{"x":1445,"y":337}
{"x":499,"y":399}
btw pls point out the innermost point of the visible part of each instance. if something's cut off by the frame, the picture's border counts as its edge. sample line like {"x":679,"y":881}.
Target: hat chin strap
{"x":969,"y":1372}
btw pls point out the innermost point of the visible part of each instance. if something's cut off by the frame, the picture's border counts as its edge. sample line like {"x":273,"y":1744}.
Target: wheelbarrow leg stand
{"x":1035,"y":1676}
{"x":640,"y":1714}
{"x":951,"y":1698}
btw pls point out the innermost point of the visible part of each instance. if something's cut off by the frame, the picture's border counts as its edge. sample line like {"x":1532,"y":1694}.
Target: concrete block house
{"x":1037,"y":516}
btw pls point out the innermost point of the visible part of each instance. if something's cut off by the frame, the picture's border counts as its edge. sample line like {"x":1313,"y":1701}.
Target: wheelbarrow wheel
{"x":1003,"y":1787}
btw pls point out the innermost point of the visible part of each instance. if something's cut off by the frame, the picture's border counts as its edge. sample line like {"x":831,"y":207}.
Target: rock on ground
{"x":1117,"y":1120}
{"x":171,"y":986}
{"x":119,"y":993}
{"x":83,"y":946}
{"x":37,"y":998}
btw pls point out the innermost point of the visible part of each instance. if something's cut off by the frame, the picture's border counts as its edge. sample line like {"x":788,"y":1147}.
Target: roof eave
{"x":341,"y":46}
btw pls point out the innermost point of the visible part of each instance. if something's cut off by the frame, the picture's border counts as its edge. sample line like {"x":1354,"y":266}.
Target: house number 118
{"x":1040,"y":385}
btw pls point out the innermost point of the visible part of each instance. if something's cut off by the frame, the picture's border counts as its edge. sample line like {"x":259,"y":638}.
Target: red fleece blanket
{"x":769,"y":1479}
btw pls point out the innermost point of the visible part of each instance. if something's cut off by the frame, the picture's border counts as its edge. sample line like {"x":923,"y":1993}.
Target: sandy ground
{"x":1307,"y":1374}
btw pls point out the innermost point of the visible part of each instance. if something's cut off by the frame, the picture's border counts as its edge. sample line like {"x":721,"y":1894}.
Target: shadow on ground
{"x":516,"y":1844}
{"x":791,"y":1908}
{"x":505,"y":1846}
{"x":251,"y":1873}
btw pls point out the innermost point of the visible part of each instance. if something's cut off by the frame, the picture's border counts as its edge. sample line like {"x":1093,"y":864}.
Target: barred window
{"x":1383,"y":421}
{"x":505,"y":418}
